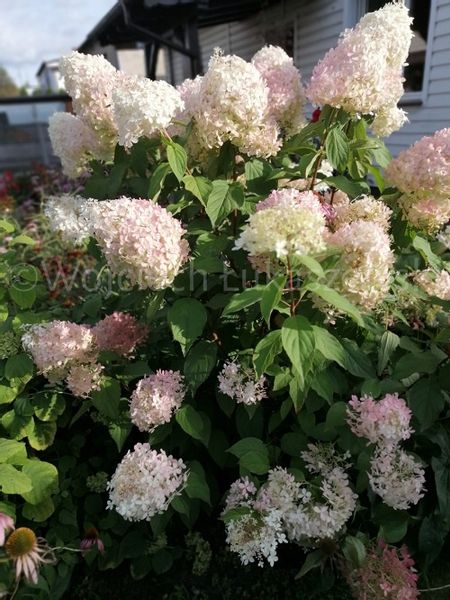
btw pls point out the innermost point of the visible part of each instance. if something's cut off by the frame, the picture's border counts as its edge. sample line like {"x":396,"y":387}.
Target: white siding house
{"x":316,"y":25}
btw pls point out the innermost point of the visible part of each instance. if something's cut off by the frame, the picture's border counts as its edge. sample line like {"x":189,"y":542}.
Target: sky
{"x":32,"y":31}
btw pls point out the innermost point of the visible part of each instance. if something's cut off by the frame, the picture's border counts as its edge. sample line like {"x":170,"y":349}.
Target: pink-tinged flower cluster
{"x":380,"y":421}
{"x":57,"y":346}
{"x":422,"y":174}
{"x":119,"y":332}
{"x":287,"y":224}
{"x":240,"y":384}
{"x":387,"y":574}
{"x":363,"y":74}
{"x":145,"y":482}
{"x":396,"y":477}
{"x":90,"y":80}
{"x":143,"y":108}
{"x":64,"y":350}
{"x":434,"y":283}
{"x":286,"y":95}
{"x":82,"y":380}
{"x":6,"y":526}
{"x":156,"y":398}
{"x":233,"y":105}
{"x":364,"y":208}
{"x":364,"y":272}
{"x":74,"y":143}
{"x":259,"y":528}
{"x":140,"y":240}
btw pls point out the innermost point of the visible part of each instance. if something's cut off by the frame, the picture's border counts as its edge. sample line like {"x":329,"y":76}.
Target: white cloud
{"x":35,"y":30}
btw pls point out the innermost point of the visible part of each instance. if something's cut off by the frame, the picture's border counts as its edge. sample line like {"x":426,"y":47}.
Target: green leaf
{"x":381,"y":154}
{"x":388,"y":344}
{"x":13,"y":481}
{"x":162,"y":560}
{"x":337,"y":415}
{"x":352,"y":188}
{"x":298,"y":342}
{"x":7,"y":226}
{"x":48,"y":406}
{"x":22,"y":295}
{"x":354,"y":551}
{"x":420,"y":362}
{"x":23,"y":239}
{"x":224,"y":197}
{"x":271,"y":296}
{"x":177,"y":157}
{"x":200,"y":187}
{"x":442,"y":480}
{"x":313,"y":560}
{"x":266,"y":350}
{"x":350,"y":358}
{"x":19,"y":367}
{"x":311,"y":264}
{"x":423,"y":247}
{"x":193,"y":423}
{"x":41,"y":435}
{"x":44,"y":479}
{"x":335,"y":299}
{"x":426,"y":401}
{"x":39,"y":512}
{"x":297,"y":392}
{"x":119,"y":433}
{"x":257,"y":172}
{"x":115,"y":179}
{"x":11,"y":451}
{"x":235,"y":513}
{"x":106,"y":399}
{"x":187,"y":318}
{"x":196,"y":485}
{"x":157,"y":180}
{"x":252,"y":454}
{"x":293,"y":443}
{"x":244,"y":299}
{"x":336,"y":147}
{"x":393,"y":523}
{"x":7,"y":394}
{"x":199,"y":363}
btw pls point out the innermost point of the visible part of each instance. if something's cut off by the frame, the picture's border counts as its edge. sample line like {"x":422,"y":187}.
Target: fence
{"x":24,"y":131}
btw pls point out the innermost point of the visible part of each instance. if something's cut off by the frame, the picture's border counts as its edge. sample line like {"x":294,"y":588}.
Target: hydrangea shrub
{"x":269,"y":367}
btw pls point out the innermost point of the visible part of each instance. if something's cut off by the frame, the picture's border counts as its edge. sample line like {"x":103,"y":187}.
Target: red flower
{"x":316,"y":115}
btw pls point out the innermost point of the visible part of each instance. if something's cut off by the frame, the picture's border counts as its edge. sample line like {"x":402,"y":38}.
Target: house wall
{"x":318,"y":24}
{"x":434,"y":112}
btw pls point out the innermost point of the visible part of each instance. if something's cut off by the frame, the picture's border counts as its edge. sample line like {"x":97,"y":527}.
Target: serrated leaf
{"x":388,"y":344}
{"x":244,"y":299}
{"x":177,"y":157}
{"x":198,"y":186}
{"x":335,"y":299}
{"x":224,"y":197}
{"x":199,"y":363}
{"x":266,"y":350}
{"x":336,"y":147}
{"x":157,"y":180}
{"x":187,"y":318}
{"x":298,"y":342}
{"x":271,"y":297}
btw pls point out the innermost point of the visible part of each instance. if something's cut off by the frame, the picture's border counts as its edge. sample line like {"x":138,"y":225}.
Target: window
{"x":415,"y":71}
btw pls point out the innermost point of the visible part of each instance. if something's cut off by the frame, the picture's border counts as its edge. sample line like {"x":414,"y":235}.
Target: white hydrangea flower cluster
{"x":111,"y":107}
{"x":240,"y":384}
{"x":363,"y":74}
{"x":231,"y":103}
{"x":82,"y":380}
{"x":396,"y":477}
{"x":74,"y":142}
{"x":156,"y":398}
{"x":364,"y":272}
{"x":256,"y":534}
{"x":143,"y":108}
{"x":286,"y":94}
{"x":286,"y":224}
{"x":140,"y":239}
{"x":64,"y":215}
{"x":284,"y":509}
{"x":434,"y":283}
{"x":145,"y":482}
